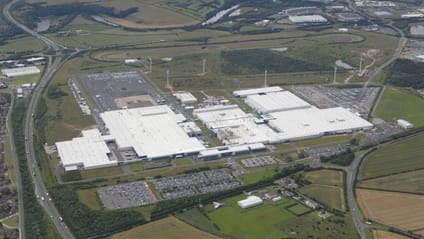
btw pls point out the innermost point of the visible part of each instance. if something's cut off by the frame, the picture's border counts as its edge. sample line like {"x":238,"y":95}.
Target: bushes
{"x":342,"y":159}
{"x":406,"y":73}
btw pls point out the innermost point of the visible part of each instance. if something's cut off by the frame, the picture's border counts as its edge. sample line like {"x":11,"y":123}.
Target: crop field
{"x":325,"y":177}
{"x":399,"y":210}
{"x":398,"y":157}
{"x":326,"y":187}
{"x":169,"y":227}
{"x":410,"y":182}
{"x":401,"y":104}
{"x":387,"y":235}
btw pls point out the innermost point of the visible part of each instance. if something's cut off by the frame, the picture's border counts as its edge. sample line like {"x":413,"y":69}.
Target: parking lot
{"x":258,"y":161}
{"x":126,"y":195}
{"x":138,"y":193}
{"x":358,"y":99}
{"x":319,"y":152}
{"x":113,"y":90}
{"x":192,"y":184}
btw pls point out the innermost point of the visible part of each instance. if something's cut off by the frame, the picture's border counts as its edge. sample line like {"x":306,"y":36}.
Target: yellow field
{"x":399,"y":210}
{"x":169,"y":227}
{"x":386,"y":235}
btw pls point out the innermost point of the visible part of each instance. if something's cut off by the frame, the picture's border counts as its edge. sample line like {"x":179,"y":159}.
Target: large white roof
{"x":307,"y":19}
{"x":314,"y":122}
{"x":88,"y":151}
{"x":185,"y":97}
{"x":244,"y":93}
{"x":275,"y":101}
{"x":152,"y":132}
{"x":20,"y":71}
{"x":250,"y":202}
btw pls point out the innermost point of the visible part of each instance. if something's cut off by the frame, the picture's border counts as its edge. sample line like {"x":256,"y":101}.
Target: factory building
{"x":404,"y":124}
{"x":185,"y":97}
{"x":348,"y":17}
{"x":250,"y":201}
{"x":275,"y":101}
{"x":245,"y":93}
{"x":20,"y":71}
{"x":308,"y":19}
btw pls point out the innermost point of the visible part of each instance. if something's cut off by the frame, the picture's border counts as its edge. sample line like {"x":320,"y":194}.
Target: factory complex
{"x":20,"y":71}
{"x":156,"y":132}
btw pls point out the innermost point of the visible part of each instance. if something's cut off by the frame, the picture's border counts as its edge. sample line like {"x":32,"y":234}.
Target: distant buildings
{"x":348,"y":17}
{"x":404,"y":124}
{"x":308,"y":19}
{"x":20,"y":71}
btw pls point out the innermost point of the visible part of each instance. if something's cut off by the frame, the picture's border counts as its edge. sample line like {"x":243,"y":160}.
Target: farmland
{"x":169,"y":227}
{"x":399,"y":103}
{"x":256,"y":176}
{"x":386,"y":235}
{"x":410,"y":182}
{"x":399,"y":210}
{"x":398,"y":157}
{"x":326,"y":187}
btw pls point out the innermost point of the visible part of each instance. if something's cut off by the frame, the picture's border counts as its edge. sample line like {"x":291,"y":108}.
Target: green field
{"x":9,"y":160}
{"x":195,"y":217}
{"x":273,"y":220}
{"x":410,"y":182}
{"x":23,"y":44}
{"x":254,"y":177}
{"x":12,"y":222}
{"x":25,"y":80}
{"x":326,"y":187}
{"x":183,"y":161}
{"x":169,"y":227}
{"x":299,"y":209}
{"x":325,"y":141}
{"x":401,"y":104}
{"x":101,"y":172}
{"x":89,"y":198}
{"x":257,"y":222}
{"x":394,"y":158}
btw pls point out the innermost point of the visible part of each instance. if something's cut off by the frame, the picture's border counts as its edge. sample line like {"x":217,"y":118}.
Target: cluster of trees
{"x":342,"y":159}
{"x":35,"y":219}
{"x":406,"y":73}
{"x":85,"y":222}
{"x":257,"y":60}
{"x":54,"y":92}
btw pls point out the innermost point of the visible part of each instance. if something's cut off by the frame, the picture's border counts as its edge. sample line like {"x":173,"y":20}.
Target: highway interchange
{"x":55,"y":62}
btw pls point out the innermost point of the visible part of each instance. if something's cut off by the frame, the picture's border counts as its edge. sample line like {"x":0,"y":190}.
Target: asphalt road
{"x":39,"y":187}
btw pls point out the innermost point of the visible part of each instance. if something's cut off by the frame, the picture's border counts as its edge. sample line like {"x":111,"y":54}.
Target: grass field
{"x":401,"y":104}
{"x":183,"y":161}
{"x":101,"y":172}
{"x":399,"y":210}
{"x":257,"y":222}
{"x":398,"y":157}
{"x":169,"y":227}
{"x":325,"y":141}
{"x":12,"y":221}
{"x":387,"y":235}
{"x":9,"y":160}
{"x":24,"y":44}
{"x":195,"y":217}
{"x":410,"y":182}
{"x":249,"y":178}
{"x":89,"y":198}
{"x":135,"y":167}
{"x":326,"y":187}
{"x":299,"y":209}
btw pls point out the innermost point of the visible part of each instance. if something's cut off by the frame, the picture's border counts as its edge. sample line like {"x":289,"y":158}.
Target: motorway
{"x":39,"y":187}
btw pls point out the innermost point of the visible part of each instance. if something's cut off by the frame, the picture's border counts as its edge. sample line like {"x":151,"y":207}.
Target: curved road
{"x":39,"y":186}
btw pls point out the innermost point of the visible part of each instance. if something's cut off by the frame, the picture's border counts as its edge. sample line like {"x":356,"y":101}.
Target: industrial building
{"x":404,"y":124}
{"x":308,"y":19}
{"x":275,"y":101}
{"x":245,"y":93}
{"x":185,"y":97}
{"x":152,"y":132}
{"x":20,"y":71}
{"x":89,"y":151}
{"x":348,"y":17}
{"x":250,"y":201}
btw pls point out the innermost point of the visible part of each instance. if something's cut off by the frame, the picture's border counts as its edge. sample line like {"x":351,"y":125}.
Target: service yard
{"x":399,"y":210}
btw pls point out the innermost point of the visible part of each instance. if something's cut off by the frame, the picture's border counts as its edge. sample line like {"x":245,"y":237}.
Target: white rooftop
{"x":152,"y":132}
{"x":20,"y":71}
{"x":313,"y":122}
{"x":308,"y":19}
{"x":250,"y":201}
{"x":88,"y":151}
{"x":185,"y":97}
{"x":244,"y":93}
{"x":275,"y":101}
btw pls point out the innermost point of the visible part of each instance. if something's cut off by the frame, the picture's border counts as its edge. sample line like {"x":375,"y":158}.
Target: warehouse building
{"x":348,"y":17}
{"x":275,"y":101}
{"x":250,"y":201}
{"x":404,"y":124}
{"x":152,"y":132}
{"x":308,"y":19}
{"x":87,"y":152}
{"x":20,"y":71}
{"x":245,"y":93}
{"x":185,"y":97}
